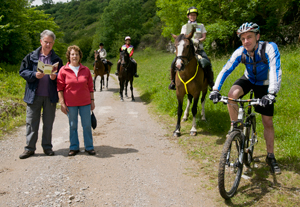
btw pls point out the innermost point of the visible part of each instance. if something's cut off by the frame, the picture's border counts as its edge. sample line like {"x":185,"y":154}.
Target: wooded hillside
{"x":148,"y":22}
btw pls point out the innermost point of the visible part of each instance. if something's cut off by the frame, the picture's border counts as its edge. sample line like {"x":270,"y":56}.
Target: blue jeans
{"x":85,"y":114}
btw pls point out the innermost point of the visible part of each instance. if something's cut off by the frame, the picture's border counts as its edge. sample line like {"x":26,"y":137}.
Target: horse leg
{"x":95,"y":83}
{"x":193,"y":131}
{"x":101,"y":81}
{"x":126,"y":85}
{"x":187,"y":109}
{"x":176,"y":133}
{"x":107,"y":76}
{"x":121,"y":83}
{"x":131,"y":88}
{"x":202,"y":105}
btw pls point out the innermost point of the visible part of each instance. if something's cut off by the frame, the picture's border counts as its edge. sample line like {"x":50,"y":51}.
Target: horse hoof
{"x":176,"y":134}
{"x":184,"y":119}
{"x":193,"y":133}
{"x":133,"y":100}
{"x":122,"y":100}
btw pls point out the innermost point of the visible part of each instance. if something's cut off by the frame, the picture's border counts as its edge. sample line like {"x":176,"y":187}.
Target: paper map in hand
{"x":47,"y":68}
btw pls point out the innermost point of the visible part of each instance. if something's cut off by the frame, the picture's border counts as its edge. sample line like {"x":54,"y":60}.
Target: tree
{"x":120,"y":18}
{"x":20,"y":29}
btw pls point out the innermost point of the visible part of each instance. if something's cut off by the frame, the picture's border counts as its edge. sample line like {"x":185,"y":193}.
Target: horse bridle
{"x":185,"y":57}
{"x":127,"y":64}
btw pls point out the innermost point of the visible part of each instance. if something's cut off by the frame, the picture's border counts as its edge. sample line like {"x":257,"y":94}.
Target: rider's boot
{"x":106,"y":68}
{"x":172,"y":84}
{"x":210,"y":77}
{"x":135,"y":70}
{"x":209,"y":74}
{"x":118,"y":68}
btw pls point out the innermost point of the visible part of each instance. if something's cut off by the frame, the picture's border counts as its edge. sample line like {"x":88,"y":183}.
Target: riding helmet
{"x":101,"y":44}
{"x":247,"y":27}
{"x":127,"y":38}
{"x":192,"y":10}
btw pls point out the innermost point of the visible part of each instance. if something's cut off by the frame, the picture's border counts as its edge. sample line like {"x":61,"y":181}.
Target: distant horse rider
{"x":102,"y":54}
{"x":198,"y":39}
{"x":130,"y":50}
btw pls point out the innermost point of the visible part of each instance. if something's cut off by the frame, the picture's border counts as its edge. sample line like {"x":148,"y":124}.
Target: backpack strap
{"x":263,"y":53}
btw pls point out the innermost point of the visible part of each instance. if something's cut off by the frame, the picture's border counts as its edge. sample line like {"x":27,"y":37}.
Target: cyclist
{"x":262,"y":74}
{"x":130,"y":50}
{"x":198,"y":38}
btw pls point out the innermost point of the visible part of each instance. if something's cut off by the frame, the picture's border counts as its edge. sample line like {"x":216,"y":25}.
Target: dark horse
{"x":189,"y":80}
{"x":99,"y":69}
{"x":126,"y":73}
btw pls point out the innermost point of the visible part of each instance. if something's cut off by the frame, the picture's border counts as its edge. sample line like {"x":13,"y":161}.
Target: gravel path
{"x":135,"y":164}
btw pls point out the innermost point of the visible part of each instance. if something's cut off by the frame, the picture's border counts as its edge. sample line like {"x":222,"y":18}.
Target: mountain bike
{"x":238,"y":148}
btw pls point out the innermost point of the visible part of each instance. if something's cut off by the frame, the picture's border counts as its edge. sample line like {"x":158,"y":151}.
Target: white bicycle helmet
{"x":127,"y":38}
{"x":247,"y":27}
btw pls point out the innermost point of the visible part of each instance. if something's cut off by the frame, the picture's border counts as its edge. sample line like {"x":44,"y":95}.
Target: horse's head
{"x":124,"y":57}
{"x":96,"y":55}
{"x":184,"y":49}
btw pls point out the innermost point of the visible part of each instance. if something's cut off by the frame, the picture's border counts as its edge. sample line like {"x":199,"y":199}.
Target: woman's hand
{"x":92,"y":105}
{"x":64,"y":108}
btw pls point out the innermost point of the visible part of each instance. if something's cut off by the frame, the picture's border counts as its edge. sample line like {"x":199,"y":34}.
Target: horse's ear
{"x":190,"y":35}
{"x":174,"y":36}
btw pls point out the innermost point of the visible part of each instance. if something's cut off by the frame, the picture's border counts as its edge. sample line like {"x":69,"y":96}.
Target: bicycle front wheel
{"x":230,"y":168}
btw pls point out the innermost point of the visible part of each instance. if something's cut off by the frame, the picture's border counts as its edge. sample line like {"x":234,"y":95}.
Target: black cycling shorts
{"x":259,"y":92}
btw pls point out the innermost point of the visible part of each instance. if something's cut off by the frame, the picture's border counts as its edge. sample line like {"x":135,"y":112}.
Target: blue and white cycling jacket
{"x":266,"y":74}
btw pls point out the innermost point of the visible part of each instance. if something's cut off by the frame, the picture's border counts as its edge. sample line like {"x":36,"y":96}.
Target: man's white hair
{"x":48,"y":33}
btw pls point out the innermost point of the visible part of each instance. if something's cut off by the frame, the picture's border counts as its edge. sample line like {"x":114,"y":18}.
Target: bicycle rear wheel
{"x":250,"y":140}
{"x":230,"y":169}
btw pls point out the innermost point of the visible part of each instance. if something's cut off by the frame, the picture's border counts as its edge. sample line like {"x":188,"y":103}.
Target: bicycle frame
{"x":242,"y":120}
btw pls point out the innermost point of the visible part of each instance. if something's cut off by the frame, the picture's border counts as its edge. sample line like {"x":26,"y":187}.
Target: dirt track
{"x":135,"y":164}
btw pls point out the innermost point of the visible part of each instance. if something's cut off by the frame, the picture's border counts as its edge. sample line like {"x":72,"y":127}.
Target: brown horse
{"x":99,"y":70}
{"x":189,"y":80}
{"x":126,"y":73}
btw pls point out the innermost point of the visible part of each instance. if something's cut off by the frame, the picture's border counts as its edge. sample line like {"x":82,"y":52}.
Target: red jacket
{"x":76,"y":89}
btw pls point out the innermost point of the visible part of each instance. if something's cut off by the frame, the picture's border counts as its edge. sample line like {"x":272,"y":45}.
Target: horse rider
{"x":130,"y":50}
{"x":263,"y":75}
{"x":197,"y":39}
{"x":102,"y":54}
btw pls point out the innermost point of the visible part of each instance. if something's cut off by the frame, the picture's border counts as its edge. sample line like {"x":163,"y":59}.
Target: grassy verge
{"x":259,"y":188}
{"x":12,"y":107}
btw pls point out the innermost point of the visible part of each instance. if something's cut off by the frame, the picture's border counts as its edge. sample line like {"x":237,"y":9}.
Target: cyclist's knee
{"x":235,"y":92}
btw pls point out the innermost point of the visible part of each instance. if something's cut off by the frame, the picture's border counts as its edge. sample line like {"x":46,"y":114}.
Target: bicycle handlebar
{"x":225,"y":99}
